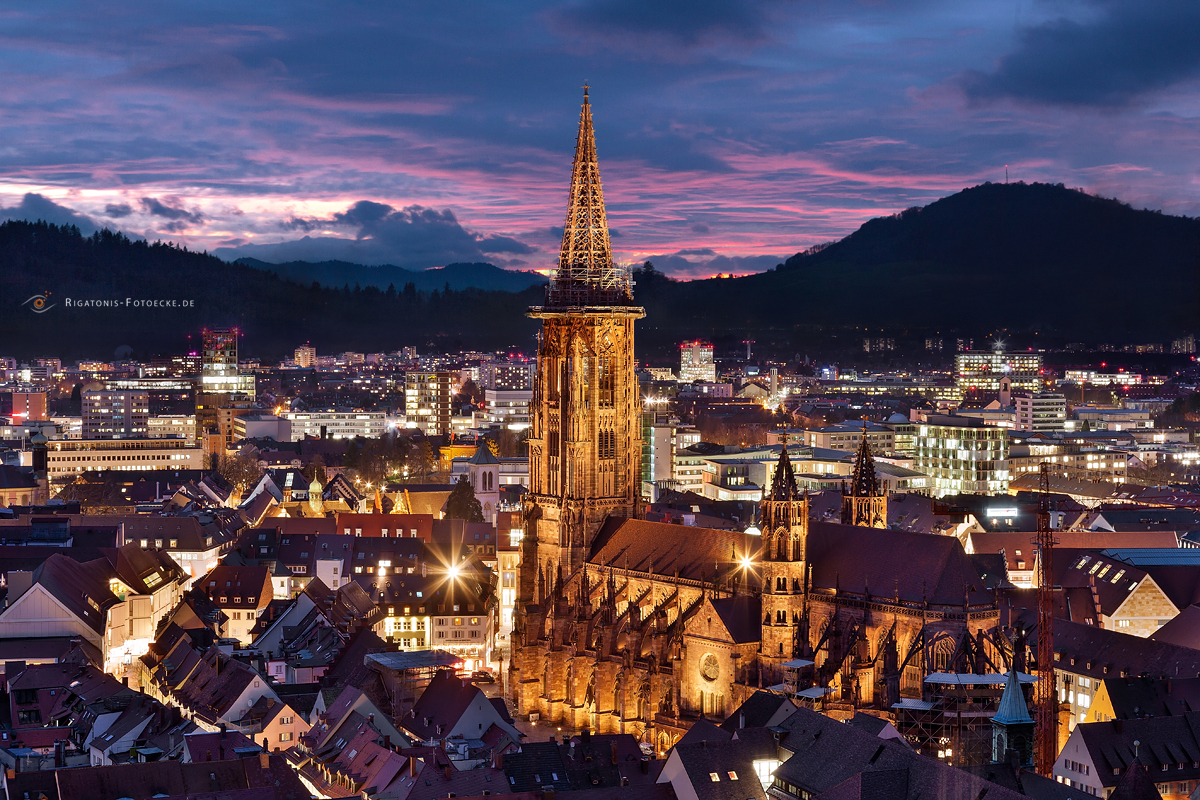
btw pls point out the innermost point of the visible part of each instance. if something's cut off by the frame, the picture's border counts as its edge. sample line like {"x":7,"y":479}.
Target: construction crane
{"x":1045,"y":690}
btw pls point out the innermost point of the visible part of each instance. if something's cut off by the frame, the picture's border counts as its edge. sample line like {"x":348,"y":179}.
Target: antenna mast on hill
{"x":1045,"y":691}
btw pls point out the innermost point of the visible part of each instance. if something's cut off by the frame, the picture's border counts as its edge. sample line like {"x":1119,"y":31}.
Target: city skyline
{"x":733,"y":135}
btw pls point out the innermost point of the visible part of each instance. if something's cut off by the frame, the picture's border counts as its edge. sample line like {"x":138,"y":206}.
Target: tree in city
{"x":462,"y":503}
{"x":316,"y":469}
{"x":240,"y":470}
{"x":424,"y":461}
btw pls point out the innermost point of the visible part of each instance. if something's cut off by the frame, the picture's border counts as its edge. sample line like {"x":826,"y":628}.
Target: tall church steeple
{"x":585,"y":443}
{"x":784,"y":570}
{"x":866,"y":503}
{"x":586,"y":273}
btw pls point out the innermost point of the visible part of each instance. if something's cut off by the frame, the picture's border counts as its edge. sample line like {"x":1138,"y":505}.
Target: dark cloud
{"x":414,"y":237}
{"x":1127,"y":49}
{"x":34,"y":207}
{"x":699,"y":227}
{"x":159,"y":209}
{"x":118,"y":210}
{"x":632,"y":24}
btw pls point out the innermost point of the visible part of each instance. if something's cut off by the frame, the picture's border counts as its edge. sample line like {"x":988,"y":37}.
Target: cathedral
{"x":624,"y":625}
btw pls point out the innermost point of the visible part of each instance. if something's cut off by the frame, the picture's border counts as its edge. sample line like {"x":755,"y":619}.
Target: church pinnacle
{"x":866,"y":502}
{"x":586,"y":274}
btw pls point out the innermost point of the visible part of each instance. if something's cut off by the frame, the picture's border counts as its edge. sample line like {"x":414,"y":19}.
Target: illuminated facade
{"x":219,"y":371}
{"x":69,"y":457}
{"x":864,"y":502}
{"x":585,"y":444}
{"x":427,"y":398}
{"x":961,"y":455}
{"x":696,"y":362}
{"x":115,"y":414}
{"x":982,"y":370}
{"x":1040,"y":411}
{"x":627,"y":626}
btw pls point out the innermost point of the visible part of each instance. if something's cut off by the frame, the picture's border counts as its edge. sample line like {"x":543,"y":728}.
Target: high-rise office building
{"x":427,"y":397}
{"x":306,"y":356}
{"x":696,"y":362}
{"x":982,"y":370}
{"x":1040,"y":411}
{"x":961,"y":455}
{"x":219,"y":373}
{"x":115,"y":414}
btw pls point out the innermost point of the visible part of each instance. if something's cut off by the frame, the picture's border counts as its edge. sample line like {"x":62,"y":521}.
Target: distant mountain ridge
{"x":1019,"y":257}
{"x":337,"y":274}
{"x":1031,"y":257}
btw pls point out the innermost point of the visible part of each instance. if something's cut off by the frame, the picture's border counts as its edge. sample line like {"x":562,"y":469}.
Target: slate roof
{"x":1100,"y":653}
{"x":1136,"y":784}
{"x":827,"y":754}
{"x":742,"y":616}
{"x":1152,"y":697}
{"x":852,"y":559}
{"x":1183,"y":629}
{"x":440,"y":706}
{"x":73,"y":584}
{"x":238,"y":587}
{"x":1162,"y":741}
{"x":731,"y":762}
{"x":536,"y":766}
{"x":755,"y":712}
{"x":215,"y":746}
{"x":164,"y":779}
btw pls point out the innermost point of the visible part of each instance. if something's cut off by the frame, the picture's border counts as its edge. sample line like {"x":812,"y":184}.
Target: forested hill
{"x":1014,"y":256}
{"x":457,"y":276}
{"x":1018,"y":257}
{"x":275,"y":314}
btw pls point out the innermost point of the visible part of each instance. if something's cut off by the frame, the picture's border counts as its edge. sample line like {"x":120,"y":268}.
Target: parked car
{"x":482,"y":676}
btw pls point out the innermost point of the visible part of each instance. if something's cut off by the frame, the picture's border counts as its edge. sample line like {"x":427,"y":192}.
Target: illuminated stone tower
{"x":585,"y":444}
{"x":865,"y":503}
{"x":784,"y":564}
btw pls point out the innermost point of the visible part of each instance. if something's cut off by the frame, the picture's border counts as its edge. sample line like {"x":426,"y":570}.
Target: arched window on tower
{"x":606,"y":382}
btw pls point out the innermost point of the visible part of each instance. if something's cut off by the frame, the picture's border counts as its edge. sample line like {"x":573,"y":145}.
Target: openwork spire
{"x":586,"y":273}
{"x":783,"y":484}
{"x":864,"y":483}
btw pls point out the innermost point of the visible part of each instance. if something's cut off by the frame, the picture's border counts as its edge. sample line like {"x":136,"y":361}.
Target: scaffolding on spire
{"x":586,"y":273}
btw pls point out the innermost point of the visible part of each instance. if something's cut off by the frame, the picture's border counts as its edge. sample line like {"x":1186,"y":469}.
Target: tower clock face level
{"x":710,"y":668}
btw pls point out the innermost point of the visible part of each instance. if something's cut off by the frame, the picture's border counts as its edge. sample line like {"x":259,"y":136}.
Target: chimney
{"x":497,"y":760}
{"x":448,"y":770}
{"x":613,"y":752}
{"x":222,"y":730}
{"x":371,"y":719}
{"x":264,"y":760}
{"x":548,"y":794}
{"x":742,"y":719}
{"x":645,"y":765}
{"x":208,"y":755}
{"x":387,"y":742}
{"x":412,"y":767}
{"x":270,"y":702}
{"x":585,"y":736}
{"x":125,"y":681}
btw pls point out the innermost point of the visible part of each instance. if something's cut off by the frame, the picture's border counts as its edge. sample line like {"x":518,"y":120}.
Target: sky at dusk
{"x":730,"y":134}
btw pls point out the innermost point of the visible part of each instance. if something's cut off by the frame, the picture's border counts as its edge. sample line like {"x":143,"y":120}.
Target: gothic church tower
{"x":585,"y":444}
{"x":784,"y":568}
{"x":865,"y":503}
